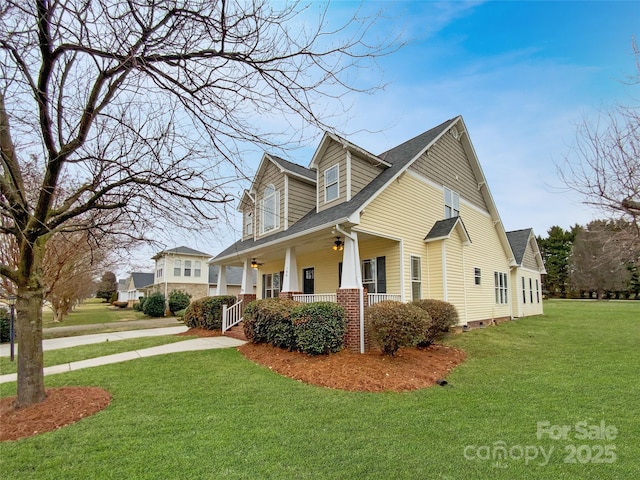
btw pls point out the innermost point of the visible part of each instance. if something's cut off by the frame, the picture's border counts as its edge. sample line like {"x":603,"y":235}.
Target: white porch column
{"x":221,"y":287}
{"x":351,"y":268}
{"x":290,"y":280}
{"x":246,"y":286}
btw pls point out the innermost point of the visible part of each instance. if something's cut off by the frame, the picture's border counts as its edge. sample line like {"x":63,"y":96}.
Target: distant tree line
{"x":598,"y":260}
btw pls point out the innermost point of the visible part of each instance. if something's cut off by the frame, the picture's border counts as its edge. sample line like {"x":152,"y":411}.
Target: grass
{"x":213,"y":414}
{"x":92,"y":310}
{"x":83,"y":352}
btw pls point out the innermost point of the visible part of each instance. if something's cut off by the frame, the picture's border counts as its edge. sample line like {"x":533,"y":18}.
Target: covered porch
{"x":335,"y":264}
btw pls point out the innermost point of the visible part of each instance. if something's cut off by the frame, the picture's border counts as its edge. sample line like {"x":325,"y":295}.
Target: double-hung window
{"x":451,"y":203}
{"x":197,"y":269}
{"x":270,"y":209}
{"x":416,"y":278}
{"x":500,"y":280}
{"x":331,"y":185}
{"x":248,"y":223}
{"x":177,"y":268}
{"x":271,"y":285}
{"x":477,"y":276}
{"x":187,"y":268}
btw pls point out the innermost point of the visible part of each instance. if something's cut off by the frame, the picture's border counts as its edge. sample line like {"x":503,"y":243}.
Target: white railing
{"x":380,"y":297}
{"x":231,"y":316}
{"x":315,"y":297}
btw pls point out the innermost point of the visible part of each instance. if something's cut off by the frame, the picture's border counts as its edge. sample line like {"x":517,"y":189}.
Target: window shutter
{"x":339,"y":274}
{"x":382,"y":275}
{"x":264,"y":290}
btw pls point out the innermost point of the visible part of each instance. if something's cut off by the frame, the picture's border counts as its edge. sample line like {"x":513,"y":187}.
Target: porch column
{"x":351,"y":294}
{"x":221,"y":287}
{"x":290,"y":280}
{"x":246,"y":286}
{"x":351,"y":268}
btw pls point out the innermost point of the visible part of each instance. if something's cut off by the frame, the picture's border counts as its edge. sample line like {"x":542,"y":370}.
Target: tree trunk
{"x":29,"y":339}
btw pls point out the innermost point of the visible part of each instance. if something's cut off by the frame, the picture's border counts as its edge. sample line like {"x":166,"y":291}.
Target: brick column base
{"x":246,"y":298}
{"x":349,"y":299}
{"x":288,"y":295}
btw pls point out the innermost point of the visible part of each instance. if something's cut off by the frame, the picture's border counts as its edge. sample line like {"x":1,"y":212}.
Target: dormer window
{"x":248,"y":223}
{"x":451,"y":203}
{"x":270,"y":209}
{"x":331,"y":185}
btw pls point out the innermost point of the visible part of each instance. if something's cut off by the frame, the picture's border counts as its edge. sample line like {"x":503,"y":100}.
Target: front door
{"x":307,"y":286}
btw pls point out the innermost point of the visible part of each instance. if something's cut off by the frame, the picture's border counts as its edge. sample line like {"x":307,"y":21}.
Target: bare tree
{"x":145,"y":105}
{"x":606,"y":166}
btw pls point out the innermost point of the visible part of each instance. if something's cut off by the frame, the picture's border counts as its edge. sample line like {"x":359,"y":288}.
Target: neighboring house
{"x":123,"y":285}
{"x":233,"y":280}
{"x":417,"y":221}
{"x":181,"y":268}
{"x":136,"y":286}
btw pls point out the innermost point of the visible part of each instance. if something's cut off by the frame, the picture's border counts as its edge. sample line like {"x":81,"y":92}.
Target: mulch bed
{"x":409,"y":369}
{"x":63,"y":406}
{"x":200,"y":332}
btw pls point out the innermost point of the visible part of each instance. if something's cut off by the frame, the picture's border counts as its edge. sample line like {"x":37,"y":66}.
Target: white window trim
{"x":501,"y":288}
{"x":336,"y":183}
{"x":477,"y":274}
{"x":248,"y":223}
{"x":453,"y":204}
{"x":177,"y":267}
{"x":187,"y":268}
{"x":276,"y":212}
{"x":197,"y":269}
{"x":416,"y":279}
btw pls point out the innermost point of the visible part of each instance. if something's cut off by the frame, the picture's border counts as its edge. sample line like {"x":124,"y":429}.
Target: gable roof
{"x":329,"y":137}
{"x":123,"y":284}
{"x":293,"y":168}
{"x":141,"y":280}
{"x":442,"y":230}
{"x":180,"y":251}
{"x":399,"y":159}
{"x":519,"y":239}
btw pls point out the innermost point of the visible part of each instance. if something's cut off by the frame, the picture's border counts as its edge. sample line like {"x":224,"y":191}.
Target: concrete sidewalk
{"x":205,"y":343}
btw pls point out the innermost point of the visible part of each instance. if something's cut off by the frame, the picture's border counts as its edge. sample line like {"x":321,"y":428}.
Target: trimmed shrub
{"x":139,"y":306}
{"x":113,"y":297}
{"x":154,"y":305}
{"x":206,"y":312}
{"x":178,"y":300}
{"x":319,"y":327}
{"x":4,"y":325}
{"x":443,"y":316}
{"x":120,"y":304}
{"x":395,"y":324}
{"x":269,"y":321}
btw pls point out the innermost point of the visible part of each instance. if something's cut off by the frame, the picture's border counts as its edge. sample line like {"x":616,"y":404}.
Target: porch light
{"x":338,"y":245}
{"x":254,"y":264}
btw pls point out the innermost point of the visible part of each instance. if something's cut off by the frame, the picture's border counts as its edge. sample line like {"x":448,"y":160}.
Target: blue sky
{"x":522,"y":75}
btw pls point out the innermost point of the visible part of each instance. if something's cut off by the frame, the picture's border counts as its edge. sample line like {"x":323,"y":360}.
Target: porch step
{"x":237,"y":331}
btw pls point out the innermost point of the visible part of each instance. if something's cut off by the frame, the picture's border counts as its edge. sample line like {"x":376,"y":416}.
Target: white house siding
{"x":524,"y":306}
{"x":456,"y":281}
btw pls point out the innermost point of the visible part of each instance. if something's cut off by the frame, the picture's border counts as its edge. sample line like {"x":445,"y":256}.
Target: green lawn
{"x":213,"y":414}
{"x":83,"y":352}
{"x":92,"y":310}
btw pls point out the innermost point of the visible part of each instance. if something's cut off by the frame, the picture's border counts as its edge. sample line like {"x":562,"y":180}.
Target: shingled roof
{"x":399,"y":158}
{"x":294,"y":168}
{"x":518,"y":239}
{"x":181,"y":251}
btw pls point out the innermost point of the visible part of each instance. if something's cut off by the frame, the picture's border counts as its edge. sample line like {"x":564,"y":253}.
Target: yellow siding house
{"x":417,"y":221}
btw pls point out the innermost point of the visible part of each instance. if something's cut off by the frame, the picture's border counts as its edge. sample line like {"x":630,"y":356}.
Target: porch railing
{"x":380,"y":297}
{"x":231,"y":316}
{"x":315,"y":297}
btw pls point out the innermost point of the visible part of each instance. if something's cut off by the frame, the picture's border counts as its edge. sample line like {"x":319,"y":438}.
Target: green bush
{"x":4,"y":325}
{"x":443,"y":316}
{"x":319,"y":327}
{"x":395,"y":324}
{"x":154,"y":305}
{"x":269,"y":321}
{"x":178,"y":300}
{"x":113,"y":297}
{"x":206,"y":312}
{"x":139,"y":306}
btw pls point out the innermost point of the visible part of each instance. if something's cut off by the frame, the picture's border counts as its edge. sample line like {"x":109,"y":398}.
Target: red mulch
{"x":200,"y":332}
{"x":409,"y":369}
{"x":63,"y":406}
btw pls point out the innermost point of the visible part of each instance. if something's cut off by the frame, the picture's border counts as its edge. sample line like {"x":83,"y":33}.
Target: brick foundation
{"x":349,"y":299}
{"x":246,"y":299}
